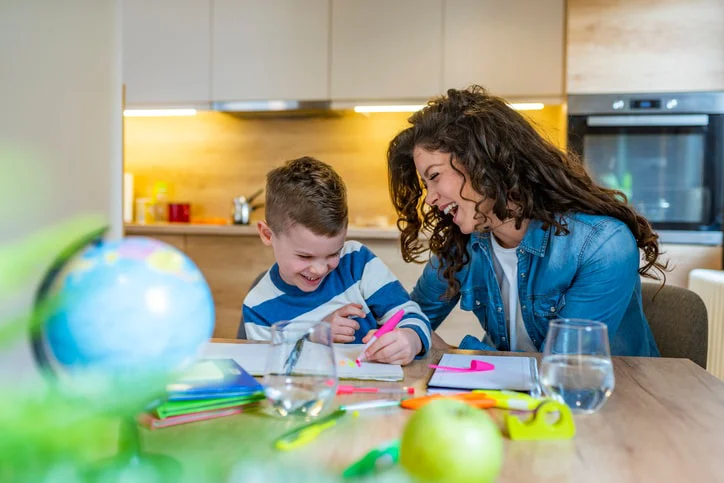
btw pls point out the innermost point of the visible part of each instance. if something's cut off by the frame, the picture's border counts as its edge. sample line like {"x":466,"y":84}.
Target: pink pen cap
{"x":386,"y":327}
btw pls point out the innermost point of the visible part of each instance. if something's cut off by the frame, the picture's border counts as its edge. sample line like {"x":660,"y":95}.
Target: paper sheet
{"x":513,"y":372}
{"x":252,"y":357}
{"x":202,"y":372}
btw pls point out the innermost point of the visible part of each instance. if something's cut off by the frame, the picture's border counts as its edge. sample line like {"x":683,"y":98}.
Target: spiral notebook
{"x":515,"y":373}
{"x":252,"y":357}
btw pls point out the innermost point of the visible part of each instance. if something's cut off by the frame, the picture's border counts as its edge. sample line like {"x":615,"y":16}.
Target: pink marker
{"x":475,"y":366}
{"x":386,"y":327}
{"x":348,"y":389}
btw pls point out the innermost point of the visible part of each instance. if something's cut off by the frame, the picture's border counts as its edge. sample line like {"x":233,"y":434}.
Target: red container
{"x":179,"y":212}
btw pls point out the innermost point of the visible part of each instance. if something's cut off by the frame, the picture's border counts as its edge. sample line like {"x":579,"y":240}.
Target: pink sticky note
{"x":475,"y":366}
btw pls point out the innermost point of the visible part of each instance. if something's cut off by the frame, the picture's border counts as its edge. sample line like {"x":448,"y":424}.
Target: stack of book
{"x":211,"y":389}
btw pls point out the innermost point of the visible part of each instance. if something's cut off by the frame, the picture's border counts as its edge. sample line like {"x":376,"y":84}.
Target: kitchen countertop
{"x":370,"y":233}
{"x":388,"y":233}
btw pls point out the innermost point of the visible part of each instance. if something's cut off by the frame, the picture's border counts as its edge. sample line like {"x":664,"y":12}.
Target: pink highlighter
{"x":386,"y":327}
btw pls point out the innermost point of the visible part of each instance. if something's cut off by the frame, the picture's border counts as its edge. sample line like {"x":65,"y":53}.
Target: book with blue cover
{"x":214,"y":378}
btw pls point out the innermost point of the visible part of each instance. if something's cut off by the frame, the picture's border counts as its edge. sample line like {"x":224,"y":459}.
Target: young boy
{"x":319,"y":276}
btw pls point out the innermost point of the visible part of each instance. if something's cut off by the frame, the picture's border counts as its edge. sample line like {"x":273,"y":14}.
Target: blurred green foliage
{"x":56,"y":430}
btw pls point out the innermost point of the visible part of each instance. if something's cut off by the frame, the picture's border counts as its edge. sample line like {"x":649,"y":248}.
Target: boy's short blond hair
{"x":307,"y":192}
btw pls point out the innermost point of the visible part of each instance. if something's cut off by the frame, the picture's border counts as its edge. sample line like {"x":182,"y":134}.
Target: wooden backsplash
{"x":211,"y":157}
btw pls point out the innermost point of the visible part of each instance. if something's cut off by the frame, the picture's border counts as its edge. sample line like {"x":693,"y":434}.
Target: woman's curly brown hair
{"x":505,"y":160}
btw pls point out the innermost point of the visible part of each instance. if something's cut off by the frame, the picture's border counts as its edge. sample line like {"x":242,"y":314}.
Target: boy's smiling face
{"x":304,"y":258}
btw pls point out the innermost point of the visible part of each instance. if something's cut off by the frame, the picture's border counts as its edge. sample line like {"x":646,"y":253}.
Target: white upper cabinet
{"x":270,"y":49}
{"x":180,"y":52}
{"x":514,"y":48}
{"x":386,"y":49}
{"x":166,"y":51}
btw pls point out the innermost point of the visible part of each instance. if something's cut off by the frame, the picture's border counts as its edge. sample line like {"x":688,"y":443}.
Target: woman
{"x":519,"y":232}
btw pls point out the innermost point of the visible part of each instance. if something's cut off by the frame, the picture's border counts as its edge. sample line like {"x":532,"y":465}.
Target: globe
{"x":114,"y":321}
{"x":128,"y":312}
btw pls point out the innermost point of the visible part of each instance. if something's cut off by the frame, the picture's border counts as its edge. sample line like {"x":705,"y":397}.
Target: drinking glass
{"x":576,"y":367}
{"x":300,"y":377}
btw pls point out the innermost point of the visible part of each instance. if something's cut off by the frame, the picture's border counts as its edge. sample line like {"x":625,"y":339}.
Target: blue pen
{"x":374,"y":404}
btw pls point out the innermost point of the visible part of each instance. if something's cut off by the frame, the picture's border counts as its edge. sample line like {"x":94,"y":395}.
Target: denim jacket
{"x":591,"y":273}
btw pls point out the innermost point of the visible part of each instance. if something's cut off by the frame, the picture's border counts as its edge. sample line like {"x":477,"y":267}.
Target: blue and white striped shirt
{"x":361,"y":278}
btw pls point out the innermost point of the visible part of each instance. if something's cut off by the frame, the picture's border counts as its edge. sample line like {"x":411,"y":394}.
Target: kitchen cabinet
{"x":229,"y":264}
{"x":270,"y":50}
{"x":230,"y":257}
{"x":185,"y":52}
{"x":514,"y":48}
{"x":166,"y":56}
{"x":384,"y":49}
{"x":645,"y":46}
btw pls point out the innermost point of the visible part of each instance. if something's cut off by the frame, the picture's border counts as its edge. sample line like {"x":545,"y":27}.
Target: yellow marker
{"x":306,"y":433}
{"x":511,"y":399}
{"x":539,"y":426}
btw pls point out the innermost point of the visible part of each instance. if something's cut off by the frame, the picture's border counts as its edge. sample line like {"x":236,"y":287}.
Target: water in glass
{"x":300,"y":378}
{"x":576,"y":368}
{"x":581,"y":382}
{"x":288,"y":396}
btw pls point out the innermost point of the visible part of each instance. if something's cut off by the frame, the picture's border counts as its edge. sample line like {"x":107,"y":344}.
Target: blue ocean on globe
{"x":130,"y":309}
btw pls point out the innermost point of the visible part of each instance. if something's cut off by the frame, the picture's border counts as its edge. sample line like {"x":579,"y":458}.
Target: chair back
{"x":241,"y":333}
{"x":678,"y":320}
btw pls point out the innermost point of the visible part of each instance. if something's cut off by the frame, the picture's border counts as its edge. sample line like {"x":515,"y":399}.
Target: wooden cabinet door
{"x":645,"y":46}
{"x":514,"y":48}
{"x":270,"y":50}
{"x":386,"y":49}
{"x":229,"y":264}
{"x":166,"y":56}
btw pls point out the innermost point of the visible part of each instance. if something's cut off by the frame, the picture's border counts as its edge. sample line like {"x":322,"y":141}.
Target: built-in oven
{"x":664,"y":151}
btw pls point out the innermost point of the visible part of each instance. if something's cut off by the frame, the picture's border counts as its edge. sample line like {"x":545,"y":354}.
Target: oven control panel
{"x":645,"y":104}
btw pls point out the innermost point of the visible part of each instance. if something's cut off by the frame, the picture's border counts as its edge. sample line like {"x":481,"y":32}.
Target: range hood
{"x":398,"y":105}
{"x":269,"y":106}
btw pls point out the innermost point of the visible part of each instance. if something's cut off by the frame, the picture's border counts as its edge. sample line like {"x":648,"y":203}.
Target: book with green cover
{"x":175,"y":408}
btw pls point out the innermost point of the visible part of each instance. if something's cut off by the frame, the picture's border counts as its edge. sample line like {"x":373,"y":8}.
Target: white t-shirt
{"x":505,"y":264}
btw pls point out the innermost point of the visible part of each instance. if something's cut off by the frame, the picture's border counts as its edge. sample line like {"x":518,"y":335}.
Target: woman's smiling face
{"x":444,"y":184}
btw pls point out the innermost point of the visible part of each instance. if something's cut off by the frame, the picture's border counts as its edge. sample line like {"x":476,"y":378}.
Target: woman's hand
{"x":344,"y":328}
{"x":399,"y":346}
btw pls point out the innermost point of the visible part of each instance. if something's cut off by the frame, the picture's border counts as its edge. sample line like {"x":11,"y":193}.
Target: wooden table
{"x":664,"y":422}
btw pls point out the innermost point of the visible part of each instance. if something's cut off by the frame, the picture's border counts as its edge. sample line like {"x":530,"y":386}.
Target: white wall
{"x":60,"y":128}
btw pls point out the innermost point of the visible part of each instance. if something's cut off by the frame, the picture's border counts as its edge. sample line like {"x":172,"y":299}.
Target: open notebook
{"x":252,"y":357}
{"x":515,"y":373}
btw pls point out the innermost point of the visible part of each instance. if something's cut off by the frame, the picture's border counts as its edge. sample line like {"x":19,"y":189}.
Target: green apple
{"x":452,"y":442}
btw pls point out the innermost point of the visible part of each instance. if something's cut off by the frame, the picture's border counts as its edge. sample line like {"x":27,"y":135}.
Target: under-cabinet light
{"x":518,"y":106}
{"x":398,"y":108}
{"x":527,"y":106}
{"x":158,"y":112}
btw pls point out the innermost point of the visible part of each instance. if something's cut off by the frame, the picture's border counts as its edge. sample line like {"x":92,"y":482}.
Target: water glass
{"x":576,"y":367}
{"x":300,"y":377}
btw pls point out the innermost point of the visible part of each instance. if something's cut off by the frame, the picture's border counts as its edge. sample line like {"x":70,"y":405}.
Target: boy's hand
{"x":399,"y":346}
{"x":344,"y":328}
